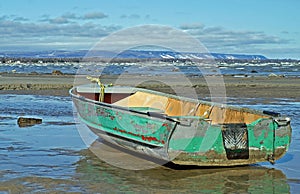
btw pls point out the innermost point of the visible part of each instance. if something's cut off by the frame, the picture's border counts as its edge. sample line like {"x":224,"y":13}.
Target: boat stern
{"x":282,"y":137}
{"x":232,"y":144}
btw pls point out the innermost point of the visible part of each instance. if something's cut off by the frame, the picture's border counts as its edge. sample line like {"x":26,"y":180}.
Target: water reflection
{"x":98,"y":176}
{"x":93,"y":175}
{"x":49,"y":157}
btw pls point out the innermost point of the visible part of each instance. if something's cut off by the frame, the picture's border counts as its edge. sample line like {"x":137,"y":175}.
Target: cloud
{"x":72,"y":17}
{"x":123,"y":16}
{"x":219,"y":39}
{"x":59,"y":20}
{"x":284,"y":32}
{"x":4,"y":17}
{"x":161,"y":36}
{"x":73,"y":30}
{"x":191,"y":26}
{"x":134,"y":16}
{"x":147,"y":17}
{"x":94,"y":15}
{"x":13,"y":17}
{"x":283,"y":52}
{"x":20,"y":19}
{"x":63,"y":19}
{"x":57,"y":31}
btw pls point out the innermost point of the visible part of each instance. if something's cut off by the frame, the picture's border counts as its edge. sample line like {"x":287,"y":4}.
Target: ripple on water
{"x":51,"y":157}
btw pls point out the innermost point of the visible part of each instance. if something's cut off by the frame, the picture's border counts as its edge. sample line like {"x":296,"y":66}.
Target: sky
{"x":267,"y":27}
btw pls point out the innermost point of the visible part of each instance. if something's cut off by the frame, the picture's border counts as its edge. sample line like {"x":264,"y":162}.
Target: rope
{"x":207,"y":113}
{"x":101,"y":85}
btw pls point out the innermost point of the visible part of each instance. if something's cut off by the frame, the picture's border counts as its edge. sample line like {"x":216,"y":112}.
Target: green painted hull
{"x":189,"y":140}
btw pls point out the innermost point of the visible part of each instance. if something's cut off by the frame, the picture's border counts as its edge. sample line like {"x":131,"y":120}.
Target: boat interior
{"x":176,"y":107}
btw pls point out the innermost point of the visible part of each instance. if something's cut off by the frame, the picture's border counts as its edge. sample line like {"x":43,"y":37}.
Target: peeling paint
{"x":195,"y":141}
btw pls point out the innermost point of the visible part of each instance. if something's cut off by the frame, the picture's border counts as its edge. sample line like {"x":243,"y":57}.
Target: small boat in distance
{"x":179,"y":129}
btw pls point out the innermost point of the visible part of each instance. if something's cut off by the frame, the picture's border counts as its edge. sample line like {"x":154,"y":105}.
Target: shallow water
{"x":51,"y":157}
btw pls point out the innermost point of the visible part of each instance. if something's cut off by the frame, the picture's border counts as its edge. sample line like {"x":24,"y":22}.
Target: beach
{"x":205,"y":83}
{"x":53,"y":157}
{"x":235,"y":86}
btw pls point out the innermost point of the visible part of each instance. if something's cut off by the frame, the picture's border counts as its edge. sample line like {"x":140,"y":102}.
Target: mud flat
{"x":249,"y":87}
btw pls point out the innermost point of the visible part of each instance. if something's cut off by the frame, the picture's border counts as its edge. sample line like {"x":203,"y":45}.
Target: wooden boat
{"x":182,"y":130}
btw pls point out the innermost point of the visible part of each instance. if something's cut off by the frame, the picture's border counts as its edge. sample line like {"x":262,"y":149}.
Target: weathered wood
{"x":182,"y":130}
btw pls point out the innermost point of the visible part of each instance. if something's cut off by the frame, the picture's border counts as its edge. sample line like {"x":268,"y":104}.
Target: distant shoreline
{"x":246,"y":87}
{"x":12,"y":60}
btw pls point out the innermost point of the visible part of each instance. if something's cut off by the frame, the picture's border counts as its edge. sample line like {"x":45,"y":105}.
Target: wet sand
{"x":95,"y":176}
{"x":246,"y":87}
{"x":52,"y":157}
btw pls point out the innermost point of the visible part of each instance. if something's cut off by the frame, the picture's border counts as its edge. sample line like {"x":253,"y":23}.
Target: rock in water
{"x":57,"y":72}
{"x":27,"y":122}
